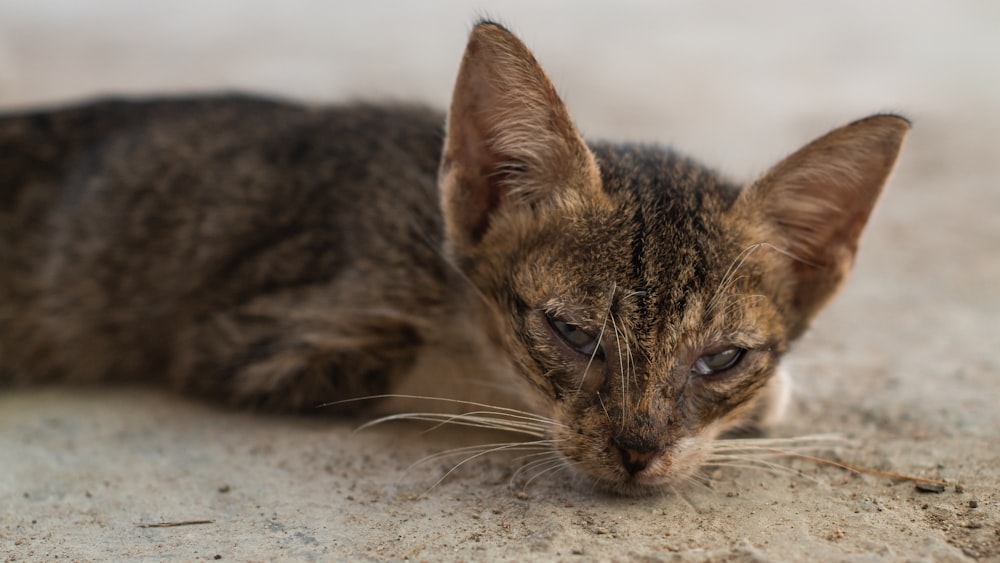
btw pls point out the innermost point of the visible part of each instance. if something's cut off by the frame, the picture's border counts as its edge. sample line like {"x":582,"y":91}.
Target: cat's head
{"x":645,"y":300}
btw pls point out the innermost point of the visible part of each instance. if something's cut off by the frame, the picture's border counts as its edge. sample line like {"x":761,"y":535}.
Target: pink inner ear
{"x":470,"y":169}
{"x":507,"y":131}
{"x":483,"y":199}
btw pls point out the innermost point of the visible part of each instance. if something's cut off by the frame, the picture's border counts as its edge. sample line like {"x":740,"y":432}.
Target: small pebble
{"x":959,"y":489}
{"x":224,"y":489}
{"x":930,"y":488}
{"x":973,"y":504}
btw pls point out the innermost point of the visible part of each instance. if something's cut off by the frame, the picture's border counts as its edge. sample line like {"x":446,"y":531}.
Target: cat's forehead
{"x":672,"y":185}
{"x":653,"y":257}
{"x":671,"y":211}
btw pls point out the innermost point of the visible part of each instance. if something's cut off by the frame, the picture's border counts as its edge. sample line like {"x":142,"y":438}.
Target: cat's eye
{"x":574,"y":336}
{"x":711,"y":364}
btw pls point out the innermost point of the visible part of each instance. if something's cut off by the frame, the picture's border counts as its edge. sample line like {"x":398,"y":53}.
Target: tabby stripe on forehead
{"x":638,"y":254}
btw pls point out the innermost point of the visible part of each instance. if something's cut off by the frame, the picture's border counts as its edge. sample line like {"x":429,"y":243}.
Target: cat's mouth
{"x":614,"y":466}
{"x":652,"y":479}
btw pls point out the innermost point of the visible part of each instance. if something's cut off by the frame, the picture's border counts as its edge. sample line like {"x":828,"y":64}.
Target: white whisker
{"x":629,"y":360}
{"x":600,"y":336}
{"x":759,"y":464}
{"x":499,"y":448}
{"x":621,"y":367}
{"x":436,"y":247}
{"x":553,"y":458}
{"x":508,"y":446}
{"x":727,"y":278}
{"x":513,"y":420}
{"x":493,"y":408}
{"x":526,"y":456}
{"x":557,"y":465}
{"x":601,"y":401}
{"x":809,"y":441}
{"x":530,"y":429}
{"x":700,"y":479}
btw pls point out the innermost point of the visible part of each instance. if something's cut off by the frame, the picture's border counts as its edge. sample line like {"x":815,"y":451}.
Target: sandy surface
{"x":903,"y":364}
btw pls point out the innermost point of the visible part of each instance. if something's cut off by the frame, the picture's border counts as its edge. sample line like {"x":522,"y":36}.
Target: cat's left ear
{"x":814,"y":204}
{"x":510,"y":142}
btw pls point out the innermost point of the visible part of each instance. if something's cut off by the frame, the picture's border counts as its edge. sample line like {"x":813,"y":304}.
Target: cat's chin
{"x":638,"y":486}
{"x":634,"y":488}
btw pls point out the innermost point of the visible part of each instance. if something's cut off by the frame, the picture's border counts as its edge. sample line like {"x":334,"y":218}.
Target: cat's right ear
{"x":510,"y":140}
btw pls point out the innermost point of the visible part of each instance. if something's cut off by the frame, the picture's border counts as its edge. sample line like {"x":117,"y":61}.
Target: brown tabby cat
{"x":285,"y":256}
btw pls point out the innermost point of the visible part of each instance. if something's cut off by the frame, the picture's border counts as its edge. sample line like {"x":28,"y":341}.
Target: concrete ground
{"x":904,"y":363}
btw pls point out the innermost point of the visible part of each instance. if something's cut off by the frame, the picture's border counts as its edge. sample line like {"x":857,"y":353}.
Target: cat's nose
{"x":634,"y":460}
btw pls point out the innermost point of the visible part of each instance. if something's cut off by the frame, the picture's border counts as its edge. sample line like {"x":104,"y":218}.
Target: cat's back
{"x":54,"y":148}
{"x":120,"y":151}
{"x":126,"y":214}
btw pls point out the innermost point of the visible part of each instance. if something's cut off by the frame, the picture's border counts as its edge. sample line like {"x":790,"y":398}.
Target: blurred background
{"x":721,"y":79}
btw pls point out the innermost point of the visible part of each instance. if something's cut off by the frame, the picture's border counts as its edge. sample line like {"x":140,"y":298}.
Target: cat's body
{"x":283,"y":256}
{"x":177,"y":238}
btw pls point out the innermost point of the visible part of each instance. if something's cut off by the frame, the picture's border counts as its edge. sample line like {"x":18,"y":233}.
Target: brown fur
{"x":277,"y":255}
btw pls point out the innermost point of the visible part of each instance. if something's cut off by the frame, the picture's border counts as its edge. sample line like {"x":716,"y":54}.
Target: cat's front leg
{"x":283,"y":354}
